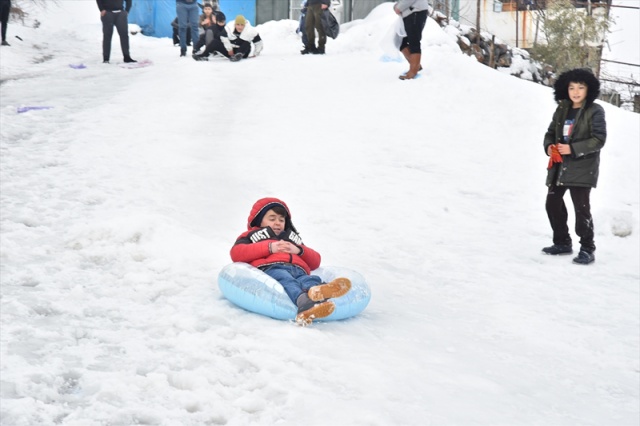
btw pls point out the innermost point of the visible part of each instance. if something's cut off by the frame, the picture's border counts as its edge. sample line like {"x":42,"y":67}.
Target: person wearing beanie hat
{"x":272,"y":244}
{"x":244,"y":39}
{"x":573,"y":141}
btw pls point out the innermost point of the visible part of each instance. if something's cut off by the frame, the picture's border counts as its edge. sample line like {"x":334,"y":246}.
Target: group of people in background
{"x":207,"y":29}
{"x":236,"y":41}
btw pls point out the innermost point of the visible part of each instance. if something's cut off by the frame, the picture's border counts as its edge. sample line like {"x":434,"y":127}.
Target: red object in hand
{"x":555,"y":156}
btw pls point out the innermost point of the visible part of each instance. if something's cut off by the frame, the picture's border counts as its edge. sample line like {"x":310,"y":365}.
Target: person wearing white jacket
{"x":414,"y":15}
{"x":244,"y":38}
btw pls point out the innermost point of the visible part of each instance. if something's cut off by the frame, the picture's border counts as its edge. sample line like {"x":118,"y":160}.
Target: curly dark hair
{"x":577,"y":75}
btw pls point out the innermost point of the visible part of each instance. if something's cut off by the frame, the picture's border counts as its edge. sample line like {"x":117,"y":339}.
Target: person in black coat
{"x":114,"y":13}
{"x":5,"y":8}
{"x":573,"y":141}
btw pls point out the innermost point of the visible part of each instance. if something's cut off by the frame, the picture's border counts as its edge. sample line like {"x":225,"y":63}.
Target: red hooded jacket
{"x":252,"y":246}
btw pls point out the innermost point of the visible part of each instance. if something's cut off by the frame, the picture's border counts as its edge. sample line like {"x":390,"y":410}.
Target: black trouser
{"x":119,"y":19}
{"x":217,"y":46}
{"x":557,"y":212}
{"x":4,"y":17}
{"x":176,"y":38}
{"x":413,"y":26}
{"x":244,"y":48}
{"x":312,"y":23}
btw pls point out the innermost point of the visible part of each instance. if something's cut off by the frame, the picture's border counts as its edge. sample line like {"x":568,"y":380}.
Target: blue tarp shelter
{"x":155,"y":16}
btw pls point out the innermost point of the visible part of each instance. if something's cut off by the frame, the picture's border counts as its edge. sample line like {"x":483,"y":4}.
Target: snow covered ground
{"x":120,"y":203}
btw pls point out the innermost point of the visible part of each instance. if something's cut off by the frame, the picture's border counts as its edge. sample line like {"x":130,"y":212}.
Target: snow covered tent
{"x":155,"y":16}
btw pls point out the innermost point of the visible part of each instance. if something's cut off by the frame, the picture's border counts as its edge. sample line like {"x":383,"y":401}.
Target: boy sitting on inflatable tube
{"x":272,"y":244}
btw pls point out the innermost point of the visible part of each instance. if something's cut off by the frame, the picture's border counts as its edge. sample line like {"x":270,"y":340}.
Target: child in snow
{"x":243,"y":37}
{"x":219,"y":43}
{"x":272,"y":244}
{"x":573,"y":142}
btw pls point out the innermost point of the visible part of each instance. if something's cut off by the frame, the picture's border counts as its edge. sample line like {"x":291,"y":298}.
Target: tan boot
{"x":320,"y":310}
{"x":414,"y":67}
{"x":336,"y":288}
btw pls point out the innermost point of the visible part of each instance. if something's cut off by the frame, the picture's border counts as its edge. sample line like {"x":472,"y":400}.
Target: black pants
{"x":119,"y":20}
{"x":4,"y":17}
{"x":413,"y":26}
{"x":313,"y":22}
{"x":557,"y":213}
{"x":217,"y":46}
{"x":244,"y":48}
{"x":176,"y":36}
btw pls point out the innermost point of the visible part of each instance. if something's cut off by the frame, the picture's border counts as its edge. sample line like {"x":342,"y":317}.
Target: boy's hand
{"x":564,"y":149}
{"x":284,"y":247}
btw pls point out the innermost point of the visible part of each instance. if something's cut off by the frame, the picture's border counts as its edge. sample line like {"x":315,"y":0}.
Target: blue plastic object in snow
{"x":255,"y":291}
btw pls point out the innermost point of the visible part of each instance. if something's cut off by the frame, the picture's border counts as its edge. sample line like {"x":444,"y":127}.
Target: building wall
{"x":516,"y":28}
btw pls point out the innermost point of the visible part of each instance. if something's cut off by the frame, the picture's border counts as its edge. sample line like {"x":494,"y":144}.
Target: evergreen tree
{"x":573,"y":36}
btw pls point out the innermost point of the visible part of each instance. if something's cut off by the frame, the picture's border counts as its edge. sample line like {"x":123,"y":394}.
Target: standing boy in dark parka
{"x":573,"y":142}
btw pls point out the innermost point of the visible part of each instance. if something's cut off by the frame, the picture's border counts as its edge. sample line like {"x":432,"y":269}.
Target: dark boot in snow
{"x":557,"y":249}
{"x":236,"y":57}
{"x":308,"y":310}
{"x":336,"y":288}
{"x":128,"y":60}
{"x":584,"y":258}
{"x":201,"y":57}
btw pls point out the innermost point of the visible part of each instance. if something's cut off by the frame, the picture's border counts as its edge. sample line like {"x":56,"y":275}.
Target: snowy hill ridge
{"x":118,"y":207}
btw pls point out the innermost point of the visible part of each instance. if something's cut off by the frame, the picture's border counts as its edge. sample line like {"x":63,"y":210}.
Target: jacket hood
{"x":578,"y":75}
{"x":262,"y":206}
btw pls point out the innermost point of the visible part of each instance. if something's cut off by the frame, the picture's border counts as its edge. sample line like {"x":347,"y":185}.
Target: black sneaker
{"x":183,"y":52}
{"x":129,"y":60}
{"x":557,"y":249}
{"x":236,"y":57}
{"x":584,"y":258}
{"x":106,"y":61}
{"x":4,"y":43}
{"x":307,"y":50}
{"x":201,"y":57}
{"x":319,"y":51}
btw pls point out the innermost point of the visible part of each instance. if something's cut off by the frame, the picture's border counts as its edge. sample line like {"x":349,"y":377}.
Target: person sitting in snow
{"x":573,"y":142}
{"x":220,"y":43}
{"x":208,"y":29}
{"x":272,"y":244}
{"x":244,"y":38}
{"x":207,"y":18}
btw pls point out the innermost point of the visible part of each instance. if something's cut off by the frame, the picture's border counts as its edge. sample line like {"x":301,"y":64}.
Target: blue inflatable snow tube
{"x":255,"y":291}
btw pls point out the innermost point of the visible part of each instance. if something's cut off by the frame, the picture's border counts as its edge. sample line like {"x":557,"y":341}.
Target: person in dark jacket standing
{"x":114,"y":13}
{"x":573,"y":142}
{"x":5,"y":8}
{"x":313,"y":22}
{"x":188,"y":15}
